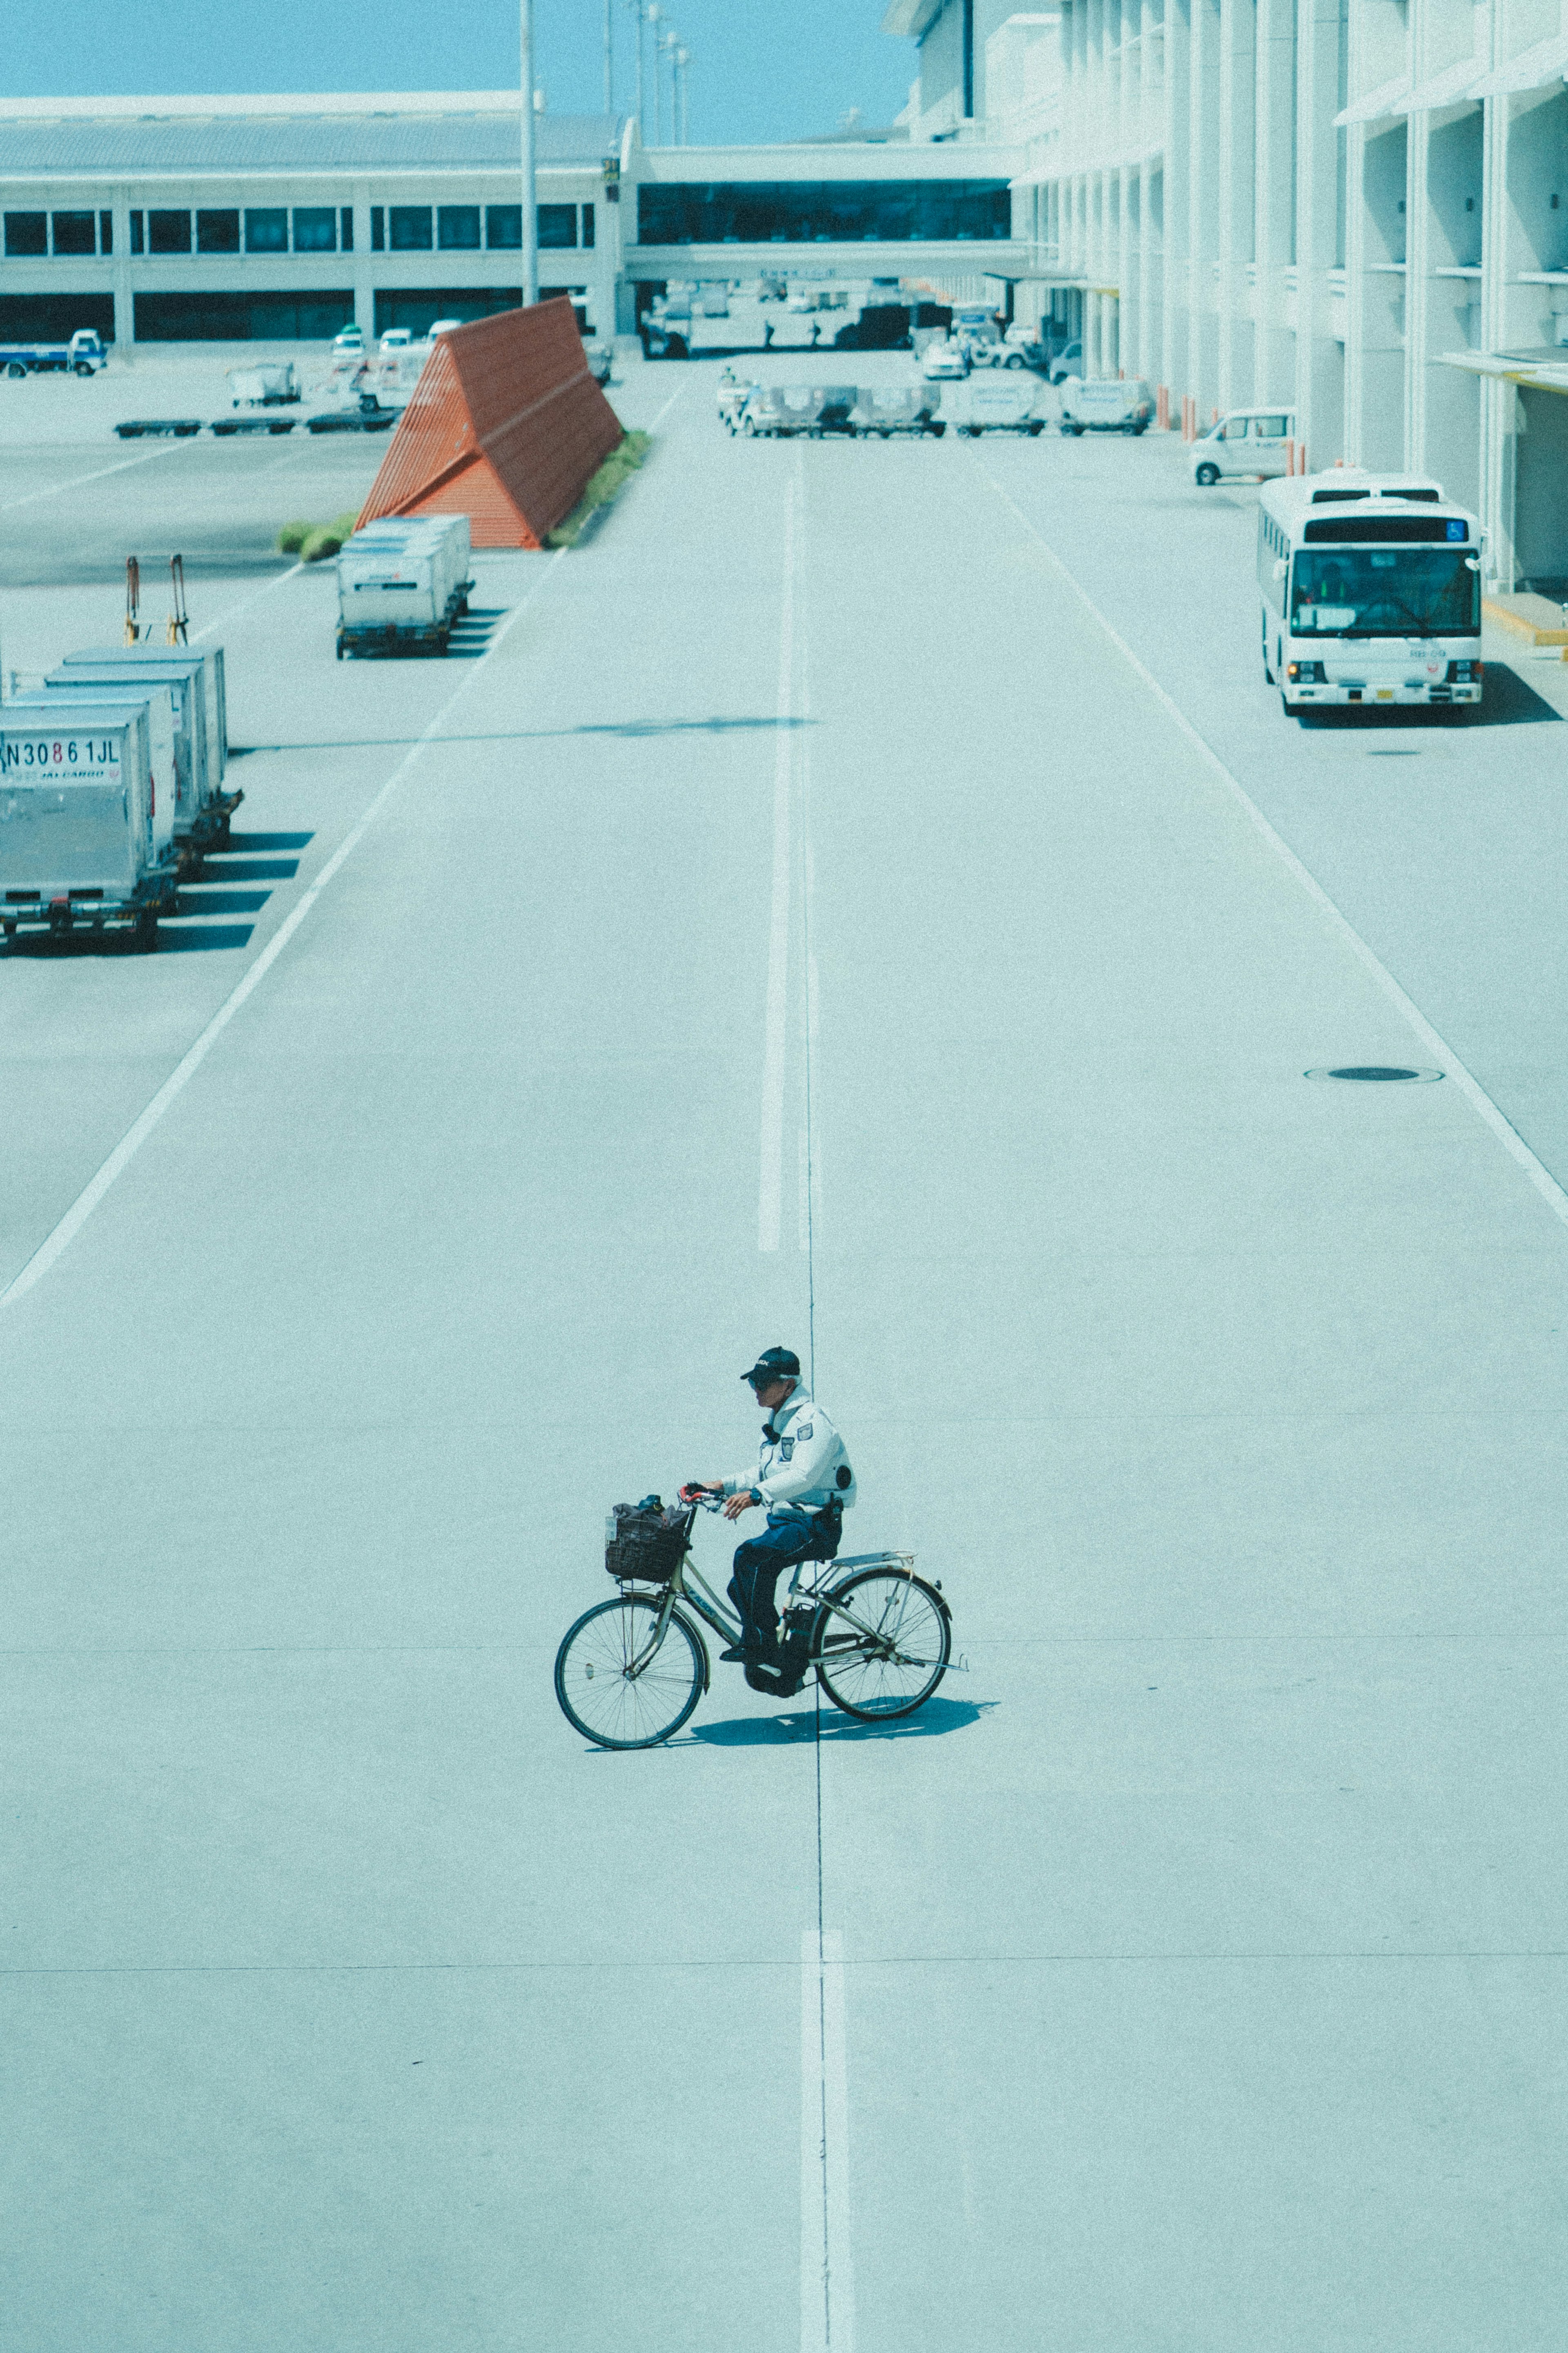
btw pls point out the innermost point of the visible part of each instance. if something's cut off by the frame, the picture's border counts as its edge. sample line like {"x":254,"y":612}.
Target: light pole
{"x":683,"y":85}
{"x":530,"y":214}
{"x":651,"y":15}
{"x":609,"y":62}
{"x":666,"y":48}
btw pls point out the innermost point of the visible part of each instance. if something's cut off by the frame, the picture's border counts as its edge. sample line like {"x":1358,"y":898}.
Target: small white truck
{"x":83,"y":356}
{"x":402,"y":583}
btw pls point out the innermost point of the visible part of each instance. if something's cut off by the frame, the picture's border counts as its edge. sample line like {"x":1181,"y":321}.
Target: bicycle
{"x":630,"y":1671}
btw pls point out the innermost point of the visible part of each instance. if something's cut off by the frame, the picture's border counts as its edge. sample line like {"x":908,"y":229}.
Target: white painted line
{"x":770,"y":1187}
{"x":79,"y":481}
{"x":57,"y":1244}
{"x":827,"y":2261}
{"x":1437,"y":1048}
{"x":664,"y":412}
{"x":232,"y":612}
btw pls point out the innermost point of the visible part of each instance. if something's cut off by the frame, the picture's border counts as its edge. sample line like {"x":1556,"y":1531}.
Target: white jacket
{"x":801,"y":1460}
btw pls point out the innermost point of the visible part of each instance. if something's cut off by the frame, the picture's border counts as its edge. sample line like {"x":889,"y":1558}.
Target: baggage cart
{"x":370,"y":418}
{"x":266,"y":383}
{"x":75,"y":826}
{"x":402,"y":583}
{"x":993,"y":403}
{"x":780,"y":410}
{"x":1106,"y":405}
{"x":888,"y":408}
{"x":93,"y":695}
{"x":203,"y":808}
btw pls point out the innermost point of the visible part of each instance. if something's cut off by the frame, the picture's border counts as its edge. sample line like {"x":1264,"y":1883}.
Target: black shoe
{"x":741,"y":1654}
{"x":778,"y":1683}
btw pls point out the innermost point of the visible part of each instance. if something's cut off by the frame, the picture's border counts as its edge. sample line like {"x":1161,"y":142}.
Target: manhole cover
{"x":1378,"y":1073}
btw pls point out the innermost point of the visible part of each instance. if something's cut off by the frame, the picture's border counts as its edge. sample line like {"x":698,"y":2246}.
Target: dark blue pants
{"x":789,"y":1536}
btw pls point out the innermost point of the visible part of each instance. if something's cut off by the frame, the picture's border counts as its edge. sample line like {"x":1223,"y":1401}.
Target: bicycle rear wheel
{"x":614,"y":1687}
{"x":891,"y":1657}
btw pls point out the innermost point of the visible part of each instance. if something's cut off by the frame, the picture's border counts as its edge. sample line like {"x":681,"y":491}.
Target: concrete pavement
{"x":803,"y":923}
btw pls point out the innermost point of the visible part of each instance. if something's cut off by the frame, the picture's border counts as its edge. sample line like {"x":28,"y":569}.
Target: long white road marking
{"x":669,"y":404}
{"x":770,"y":1185}
{"x":1437,"y":1048}
{"x":130,"y":1143}
{"x":78,"y":482}
{"x":232,"y":612}
{"x":827,"y":2262}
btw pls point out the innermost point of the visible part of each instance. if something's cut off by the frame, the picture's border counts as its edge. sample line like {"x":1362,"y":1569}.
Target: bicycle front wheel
{"x":885,"y":1649}
{"x":612,"y":1683}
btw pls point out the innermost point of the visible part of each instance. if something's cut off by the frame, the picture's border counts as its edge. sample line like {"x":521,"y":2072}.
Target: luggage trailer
{"x":204,"y":810}
{"x":77,"y":848}
{"x":402,"y":584}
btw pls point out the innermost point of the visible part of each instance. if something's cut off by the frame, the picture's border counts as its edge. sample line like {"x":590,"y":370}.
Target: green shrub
{"x":323,"y":542}
{"x":608,"y":483}
{"x":345,"y":525}
{"x":293,"y":535}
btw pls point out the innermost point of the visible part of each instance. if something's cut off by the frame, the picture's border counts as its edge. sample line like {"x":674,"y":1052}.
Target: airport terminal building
{"x":165,"y":219}
{"x":1355,"y":208}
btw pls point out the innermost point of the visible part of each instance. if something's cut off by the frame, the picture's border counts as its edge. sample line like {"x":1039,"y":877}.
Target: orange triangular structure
{"x":505,"y":426}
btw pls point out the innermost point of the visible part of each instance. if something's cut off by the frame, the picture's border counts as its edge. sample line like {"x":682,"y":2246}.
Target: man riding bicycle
{"x":802,"y":1476}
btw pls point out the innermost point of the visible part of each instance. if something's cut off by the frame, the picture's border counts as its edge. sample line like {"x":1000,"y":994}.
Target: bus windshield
{"x":1386,"y":592}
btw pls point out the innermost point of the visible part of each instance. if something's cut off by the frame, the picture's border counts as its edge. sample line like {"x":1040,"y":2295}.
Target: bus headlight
{"x":1305,"y":674}
{"x":1465,"y":673}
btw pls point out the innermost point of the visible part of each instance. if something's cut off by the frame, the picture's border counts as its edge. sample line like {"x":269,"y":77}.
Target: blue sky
{"x":761,"y":68}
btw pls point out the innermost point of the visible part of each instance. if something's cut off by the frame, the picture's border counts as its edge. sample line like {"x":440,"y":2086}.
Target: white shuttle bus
{"x":1372,"y":591}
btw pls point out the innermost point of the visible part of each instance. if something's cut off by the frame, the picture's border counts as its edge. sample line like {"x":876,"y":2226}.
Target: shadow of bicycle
{"x":937,"y":1716}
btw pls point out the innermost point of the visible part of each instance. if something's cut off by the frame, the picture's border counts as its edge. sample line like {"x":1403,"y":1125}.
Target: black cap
{"x":774,"y":1364}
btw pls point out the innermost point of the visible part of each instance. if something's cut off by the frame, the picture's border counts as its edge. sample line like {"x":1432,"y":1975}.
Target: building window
{"x":457,"y":229}
{"x":26,"y":234}
{"x":346,"y":229}
{"x":315,"y":228}
{"x":168,"y":232}
{"x":106,"y":232}
{"x":266,"y":230}
{"x":804,"y":212}
{"x":217,"y":232}
{"x":255,"y":316}
{"x":416,"y":308}
{"x":378,"y":229}
{"x":587,"y":223}
{"x":75,"y":233}
{"x":136,"y":239}
{"x":503,"y":227}
{"x":557,"y":226}
{"x":410,"y":229}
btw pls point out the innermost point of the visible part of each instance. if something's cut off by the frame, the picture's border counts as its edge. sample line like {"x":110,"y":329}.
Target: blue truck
{"x":83,"y":356}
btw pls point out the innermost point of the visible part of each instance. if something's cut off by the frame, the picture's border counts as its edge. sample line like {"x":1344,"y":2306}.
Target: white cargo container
{"x":1106,"y":404}
{"x":996,"y":404}
{"x":204,"y":807}
{"x":76,"y":824}
{"x":268,"y":384}
{"x":92,"y":695}
{"x":402,"y":583}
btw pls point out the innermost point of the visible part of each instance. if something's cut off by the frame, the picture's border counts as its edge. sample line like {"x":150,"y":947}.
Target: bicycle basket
{"x":647,"y":1546}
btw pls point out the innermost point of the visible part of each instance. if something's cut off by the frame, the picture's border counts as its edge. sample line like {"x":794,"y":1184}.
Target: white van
{"x":1249,"y":445}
